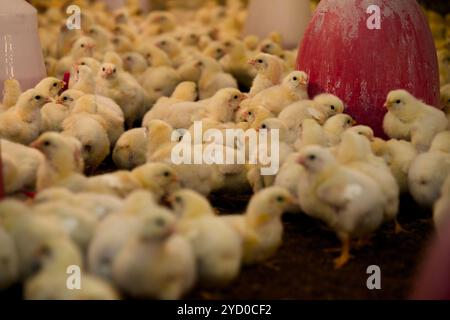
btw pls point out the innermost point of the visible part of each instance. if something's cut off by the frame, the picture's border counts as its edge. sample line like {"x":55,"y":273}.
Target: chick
{"x":11,"y":93}
{"x":212,"y":78}
{"x":441,"y":210}
{"x":125,"y":91}
{"x":276,"y":98}
{"x":92,"y":135}
{"x":50,"y":87}
{"x":236,"y":62}
{"x":24,"y":163}
{"x":441,"y":142}
{"x":83,"y":80}
{"x":134,"y":63}
{"x":335,"y":126}
{"x":214,"y":50}
{"x":254,"y":116}
{"x":220,"y":108}
{"x":155,"y":262}
{"x":185,"y":91}
{"x":158,"y":178}
{"x":91,"y":63}
{"x":260,"y":227}
{"x":426,"y":176}
{"x":115,"y":229}
{"x":398,"y":155}
{"x":9,"y":269}
{"x":130,"y":149}
{"x":269,"y":72}
{"x":82,"y":47}
{"x":49,"y":285}
{"x":310,"y":133}
{"x":216,"y":245}
{"x":355,"y":152}
{"x":411,"y":119}
{"x":63,"y":162}
{"x":331,"y":193}
{"x":22,"y":122}
{"x":78,"y":223}
{"x":288,"y":176}
{"x":110,"y":120}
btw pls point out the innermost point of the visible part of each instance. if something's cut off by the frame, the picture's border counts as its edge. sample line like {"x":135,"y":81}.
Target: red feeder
{"x":346,"y":54}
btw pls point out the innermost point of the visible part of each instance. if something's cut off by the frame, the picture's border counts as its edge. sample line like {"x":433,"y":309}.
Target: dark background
{"x":442,"y":6}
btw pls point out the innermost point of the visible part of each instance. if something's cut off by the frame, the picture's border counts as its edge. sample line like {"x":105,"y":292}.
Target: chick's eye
{"x":260,"y":61}
{"x":82,"y":46}
{"x":332,"y":107}
{"x":349,"y":121}
{"x":312,"y":157}
{"x":65,"y":98}
{"x":83,"y":63}
{"x":250,"y":113}
{"x":55,"y":84}
{"x":264,"y":126}
{"x":88,"y":148}
{"x":47,"y":143}
{"x":295,"y":78}
{"x":166,"y":173}
{"x":280,"y":199}
{"x":236,"y":97}
{"x":160,"y":222}
{"x":37,"y":97}
{"x":178,"y":199}
{"x":398,"y":101}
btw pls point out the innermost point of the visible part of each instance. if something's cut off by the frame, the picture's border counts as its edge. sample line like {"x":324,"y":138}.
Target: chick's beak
{"x":303,"y":82}
{"x":386,"y":105}
{"x":252,"y":62}
{"x":301,"y":160}
{"x":36,"y":144}
{"x":48,"y":99}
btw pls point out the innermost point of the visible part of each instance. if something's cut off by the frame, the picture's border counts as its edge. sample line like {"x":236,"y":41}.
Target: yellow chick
{"x":50,"y":87}
{"x":441,"y":142}
{"x":78,"y":223}
{"x":216,"y":245}
{"x":155,"y":262}
{"x":83,"y":80}
{"x":269,"y":72}
{"x":335,"y":126}
{"x":63,"y":162}
{"x":355,"y":152}
{"x":119,"y":183}
{"x":276,"y":98}
{"x":332,"y":193}
{"x":260,"y":227}
{"x":130,"y":149}
{"x":115,"y":229}
{"x":92,"y":135}
{"x":212,"y":78}
{"x":20,"y":166}
{"x":22,"y":122}
{"x":110,"y":120}
{"x":288,"y":176}
{"x":310,"y":133}
{"x":134,"y":63}
{"x":158,"y":178}
{"x":426,"y":176}
{"x":125,"y":91}
{"x":398,"y":155}
{"x":82,"y":47}
{"x":413,"y":120}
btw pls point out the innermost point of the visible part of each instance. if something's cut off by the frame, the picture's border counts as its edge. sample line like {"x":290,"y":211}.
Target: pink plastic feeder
{"x":20,"y":50}
{"x":345,"y":53}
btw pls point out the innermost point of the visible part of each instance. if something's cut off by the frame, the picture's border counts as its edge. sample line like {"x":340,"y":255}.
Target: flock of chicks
{"x":148,"y":229}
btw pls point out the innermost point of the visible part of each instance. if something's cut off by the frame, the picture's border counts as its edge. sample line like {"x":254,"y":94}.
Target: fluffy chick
{"x":276,"y":98}
{"x":22,"y":122}
{"x":216,"y":245}
{"x":426,"y":176}
{"x":260,"y":227}
{"x":50,"y":87}
{"x":212,"y":78}
{"x":11,"y":93}
{"x":269,"y":72}
{"x":335,"y":126}
{"x":131,"y":149}
{"x":331,"y":193}
{"x":155,"y":262}
{"x":410,"y":119}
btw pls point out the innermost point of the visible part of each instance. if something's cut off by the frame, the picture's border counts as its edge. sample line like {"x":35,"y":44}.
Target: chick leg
{"x":345,"y":254}
{"x":398,"y":228}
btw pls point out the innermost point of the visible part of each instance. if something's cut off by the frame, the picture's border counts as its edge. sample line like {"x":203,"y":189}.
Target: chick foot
{"x":345,"y":256}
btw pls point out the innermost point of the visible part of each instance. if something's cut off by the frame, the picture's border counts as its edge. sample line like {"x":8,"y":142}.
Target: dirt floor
{"x":302,"y":270}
